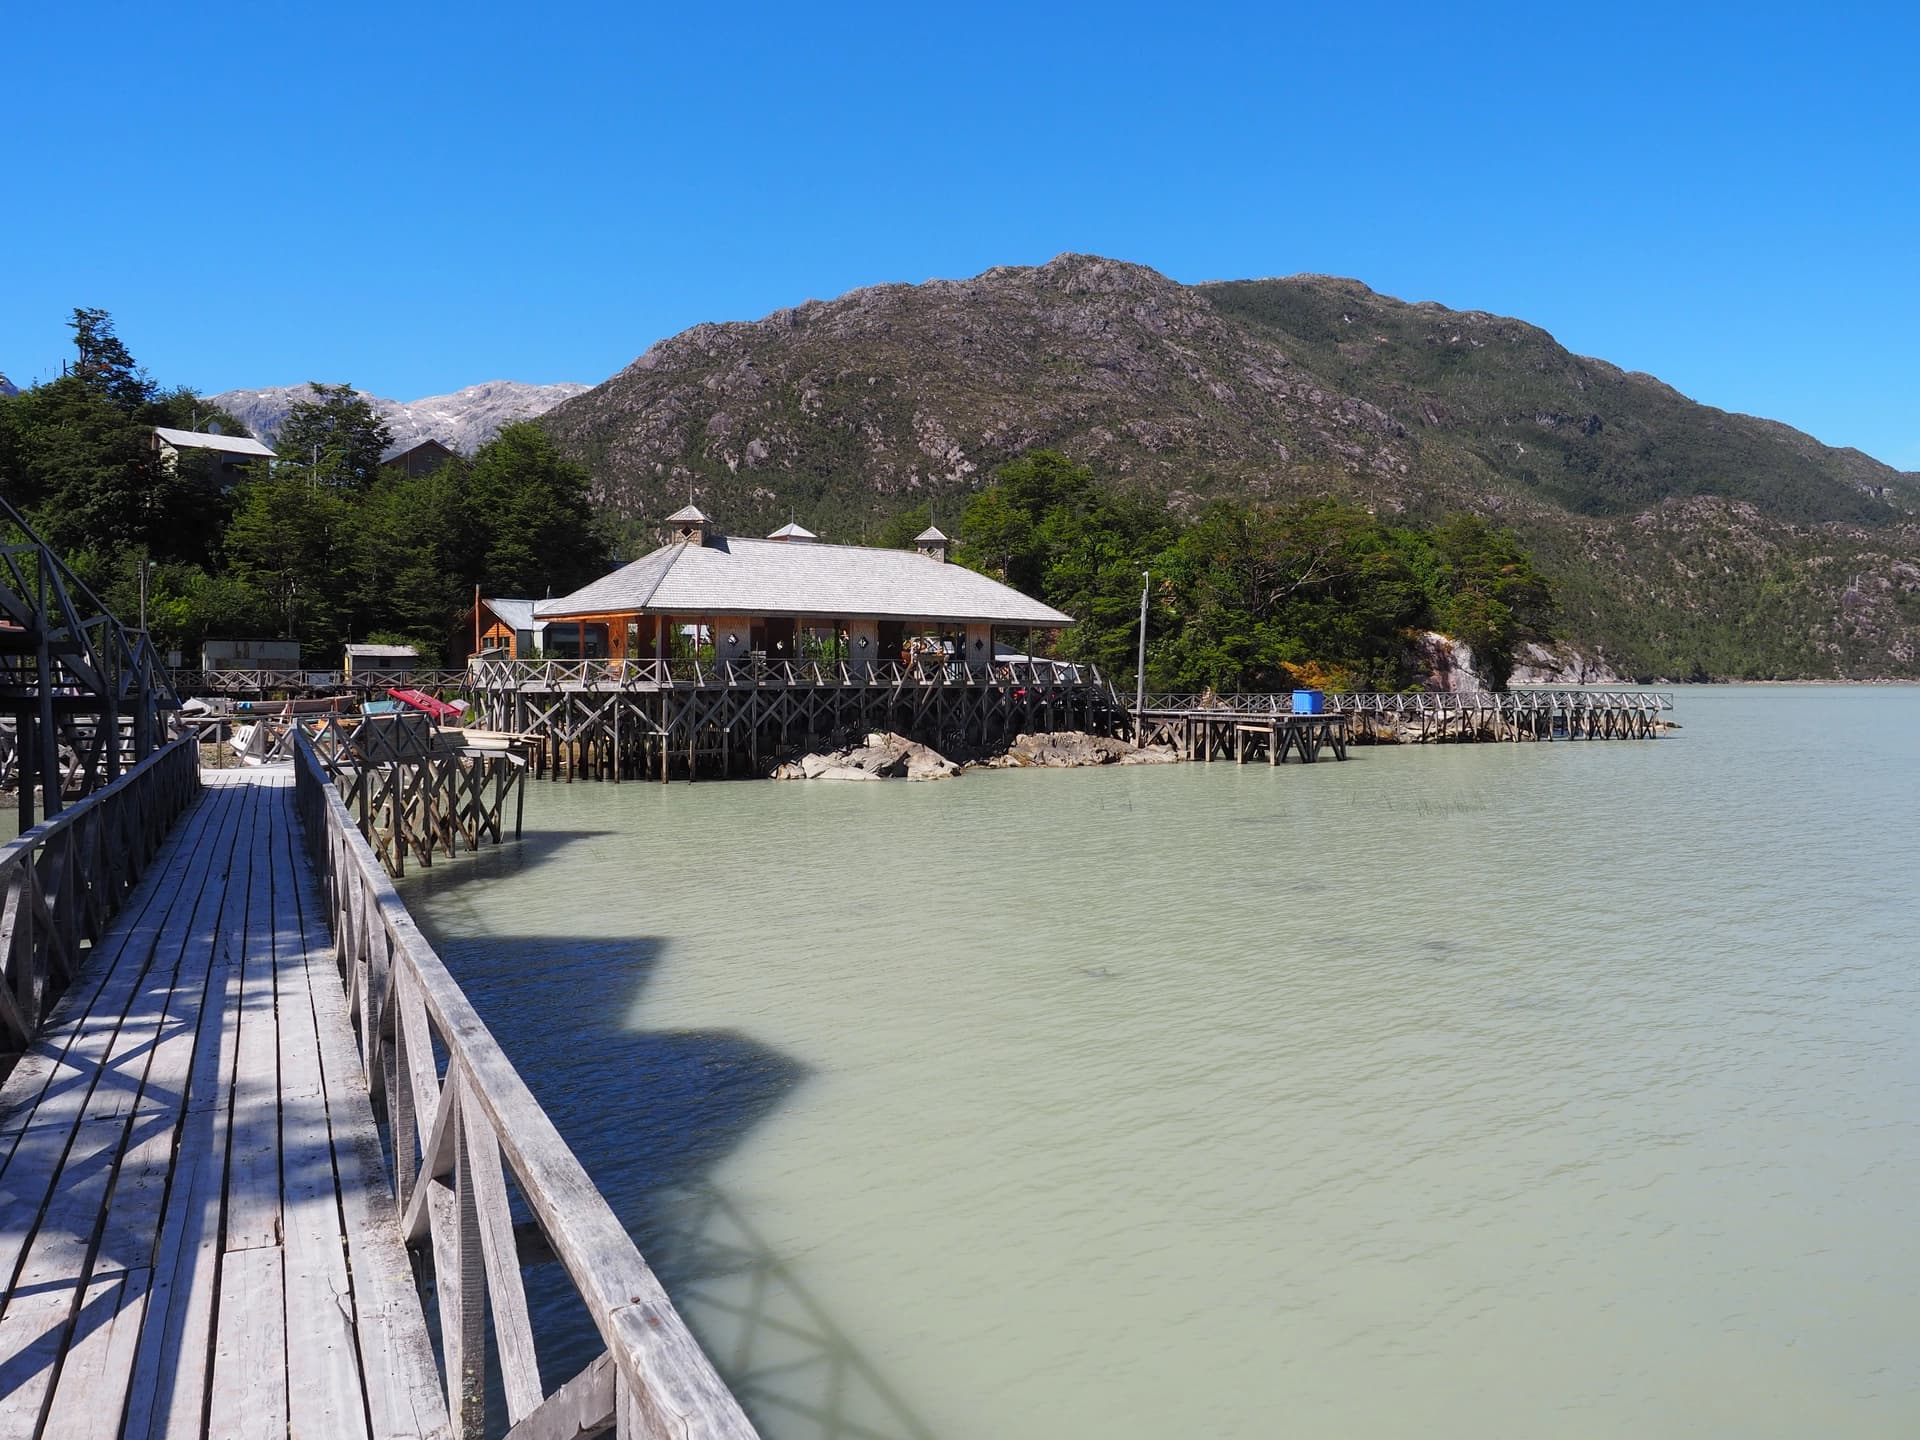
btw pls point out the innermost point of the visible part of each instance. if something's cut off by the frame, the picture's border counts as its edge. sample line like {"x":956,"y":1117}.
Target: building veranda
{"x":715,"y":654}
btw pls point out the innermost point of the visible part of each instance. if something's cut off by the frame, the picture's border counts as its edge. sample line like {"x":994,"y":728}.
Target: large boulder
{"x":885,"y":756}
{"x":1074,"y":749}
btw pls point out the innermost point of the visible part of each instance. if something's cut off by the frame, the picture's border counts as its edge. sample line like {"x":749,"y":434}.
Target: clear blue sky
{"x":415,"y":198}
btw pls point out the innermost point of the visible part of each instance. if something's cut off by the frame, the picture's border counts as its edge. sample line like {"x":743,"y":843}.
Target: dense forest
{"x":330,"y":544}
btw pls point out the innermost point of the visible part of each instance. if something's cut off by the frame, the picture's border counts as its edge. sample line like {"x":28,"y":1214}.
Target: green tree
{"x":1487,"y":593}
{"x":1047,"y":527}
{"x":290,"y":542}
{"x":336,"y":435}
{"x":417,"y":555}
{"x":533,"y":518}
{"x":104,"y":364}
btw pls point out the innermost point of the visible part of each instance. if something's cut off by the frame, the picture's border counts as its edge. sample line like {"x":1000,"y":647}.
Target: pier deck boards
{"x":197,"y":1234}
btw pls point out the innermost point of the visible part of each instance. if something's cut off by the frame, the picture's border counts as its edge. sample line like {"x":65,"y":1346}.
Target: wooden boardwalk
{"x":197,"y":1232}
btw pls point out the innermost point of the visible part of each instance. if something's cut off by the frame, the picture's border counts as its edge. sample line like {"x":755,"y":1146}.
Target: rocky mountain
{"x":1685,"y":540}
{"x":463,"y":420}
{"x":7,"y":387}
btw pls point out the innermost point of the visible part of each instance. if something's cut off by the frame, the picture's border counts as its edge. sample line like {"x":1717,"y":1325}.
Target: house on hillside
{"x":234,"y":456}
{"x":791,"y":596}
{"x":418,"y":460}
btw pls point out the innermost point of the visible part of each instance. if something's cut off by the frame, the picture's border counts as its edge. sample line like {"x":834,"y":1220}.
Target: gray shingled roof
{"x":737,"y":576}
{"x":515,"y":614}
{"x":202,"y":440}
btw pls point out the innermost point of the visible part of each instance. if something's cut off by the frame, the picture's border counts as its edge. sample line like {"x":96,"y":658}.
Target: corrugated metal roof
{"x":375,"y":652}
{"x":793,"y":530}
{"x":199,"y":440}
{"x":736,"y":576}
{"x":516,"y":614}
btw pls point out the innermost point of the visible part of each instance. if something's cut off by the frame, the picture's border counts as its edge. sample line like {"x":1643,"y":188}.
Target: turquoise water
{"x":1547,"y":1090}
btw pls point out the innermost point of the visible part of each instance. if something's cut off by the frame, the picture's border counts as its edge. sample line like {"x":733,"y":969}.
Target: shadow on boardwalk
{"x":652,"y":1114}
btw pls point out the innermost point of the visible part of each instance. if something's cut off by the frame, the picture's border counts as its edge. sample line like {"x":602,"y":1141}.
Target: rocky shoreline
{"x":887,"y":756}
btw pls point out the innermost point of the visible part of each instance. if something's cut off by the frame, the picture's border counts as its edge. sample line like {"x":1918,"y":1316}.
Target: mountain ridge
{"x":463,"y":419}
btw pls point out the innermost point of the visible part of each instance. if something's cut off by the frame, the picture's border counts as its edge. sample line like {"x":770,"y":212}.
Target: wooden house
{"x":790,"y":596}
{"x":509,"y":627}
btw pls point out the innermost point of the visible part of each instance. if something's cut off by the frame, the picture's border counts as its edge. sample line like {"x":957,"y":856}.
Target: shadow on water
{"x":495,"y":862}
{"x":651,"y":1114}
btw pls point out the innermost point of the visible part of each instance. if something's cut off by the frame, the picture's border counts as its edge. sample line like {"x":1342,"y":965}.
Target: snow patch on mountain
{"x":464,"y":420}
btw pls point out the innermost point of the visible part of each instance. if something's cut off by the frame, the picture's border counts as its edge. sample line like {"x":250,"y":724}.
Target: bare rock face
{"x":1561,"y":665}
{"x":1448,"y":664}
{"x":1075,"y":749}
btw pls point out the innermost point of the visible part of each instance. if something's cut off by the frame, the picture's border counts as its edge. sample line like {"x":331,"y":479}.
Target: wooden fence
{"x":758,"y":671}
{"x":451,"y":1126}
{"x":63,"y":881}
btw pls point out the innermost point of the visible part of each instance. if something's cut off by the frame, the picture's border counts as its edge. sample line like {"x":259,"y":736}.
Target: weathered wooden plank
{"x":322,"y":1359}
{"x":249,"y":1393}
{"x":582,"y":1407}
{"x":91,"y":1391}
{"x":52,"y":1277}
{"x":507,"y":1296}
{"x":253,"y":1166}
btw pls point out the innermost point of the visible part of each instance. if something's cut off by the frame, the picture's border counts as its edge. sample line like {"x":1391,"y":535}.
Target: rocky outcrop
{"x":1448,"y":664}
{"x":1075,"y":749}
{"x":885,"y":756}
{"x":1561,"y":665}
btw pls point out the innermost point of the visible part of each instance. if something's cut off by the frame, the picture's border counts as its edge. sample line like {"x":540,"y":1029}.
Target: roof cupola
{"x":931,"y":543}
{"x":690,"y":525}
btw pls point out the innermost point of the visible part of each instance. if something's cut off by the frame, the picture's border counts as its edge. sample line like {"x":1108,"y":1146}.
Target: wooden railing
{"x":62,"y":882}
{"x":485,"y":674}
{"x":264,"y":681}
{"x":1507,"y":703}
{"x":451,"y":1127}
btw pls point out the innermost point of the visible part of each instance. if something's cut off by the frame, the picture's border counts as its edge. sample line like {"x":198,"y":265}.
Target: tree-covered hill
{"x":1681,"y":540}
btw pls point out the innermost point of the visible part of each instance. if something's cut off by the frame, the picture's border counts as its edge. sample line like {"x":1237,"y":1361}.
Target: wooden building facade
{"x":716,"y":654}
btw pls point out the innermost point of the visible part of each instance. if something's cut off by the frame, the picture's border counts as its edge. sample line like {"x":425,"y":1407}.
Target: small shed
{"x":380,"y":660}
{"x":250,"y":654}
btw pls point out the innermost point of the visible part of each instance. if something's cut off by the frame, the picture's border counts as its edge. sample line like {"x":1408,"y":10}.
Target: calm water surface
{"x":1555,"y":1090}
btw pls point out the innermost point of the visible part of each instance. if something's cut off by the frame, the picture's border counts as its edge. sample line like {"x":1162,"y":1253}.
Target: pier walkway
{"x":204,"y":1233}
{"x":197,"y":1235}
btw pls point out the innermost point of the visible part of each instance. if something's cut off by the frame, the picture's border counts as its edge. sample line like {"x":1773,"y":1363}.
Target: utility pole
{"x":1140,"y":672}
{"x":145,"y":565}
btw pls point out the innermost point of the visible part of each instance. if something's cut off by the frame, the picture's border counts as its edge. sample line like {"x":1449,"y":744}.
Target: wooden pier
{"x":202,"y":1230}
{"x":1421,"y":717}
{"x":662,"y":719}
{"x":1244,"y":736}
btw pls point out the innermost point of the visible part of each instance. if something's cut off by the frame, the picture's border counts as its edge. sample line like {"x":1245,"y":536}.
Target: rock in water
{"x":1074,"y":749}
{"x":885,"y":756}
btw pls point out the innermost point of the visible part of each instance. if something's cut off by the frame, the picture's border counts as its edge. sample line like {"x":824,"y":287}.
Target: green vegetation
{"x":1252,"y":597}
{"x":327,"y":546}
